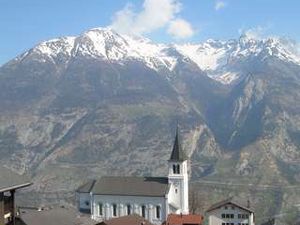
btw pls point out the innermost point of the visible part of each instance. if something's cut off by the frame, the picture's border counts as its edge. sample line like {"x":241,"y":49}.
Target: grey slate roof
{"x":131,"y":186}
{"x":10,"y":180}
{"x":177,"y":153}
{"x":234,"y":201}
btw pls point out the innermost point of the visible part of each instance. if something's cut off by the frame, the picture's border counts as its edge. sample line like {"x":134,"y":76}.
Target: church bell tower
{"x":178,"y":179}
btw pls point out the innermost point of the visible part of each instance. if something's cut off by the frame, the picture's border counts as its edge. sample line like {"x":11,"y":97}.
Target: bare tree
{"x":197,"y":201}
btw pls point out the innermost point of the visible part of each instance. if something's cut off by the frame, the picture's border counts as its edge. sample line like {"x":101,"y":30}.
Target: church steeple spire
{"x":179,"y":178}
{"x":177,"y":153}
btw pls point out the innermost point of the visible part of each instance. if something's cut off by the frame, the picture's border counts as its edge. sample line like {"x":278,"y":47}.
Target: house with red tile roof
{"x":189,"y":219}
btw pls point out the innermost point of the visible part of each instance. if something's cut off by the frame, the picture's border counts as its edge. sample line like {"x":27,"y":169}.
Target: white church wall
{"x":178,"y":194}
{"x":84,"y":201}
{"x":136,"y":203}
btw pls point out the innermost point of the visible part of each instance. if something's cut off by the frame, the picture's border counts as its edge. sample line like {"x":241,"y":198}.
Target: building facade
{"x":153,"y":198}
{"x":9,"y":183}
{"x":230,"y":212}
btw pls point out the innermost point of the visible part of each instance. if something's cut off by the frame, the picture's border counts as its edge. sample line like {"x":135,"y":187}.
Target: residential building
{"x":189,"y":219}
{"x":9,"y":183}
{"x":230,"y":212}
{"x":133,"y":219}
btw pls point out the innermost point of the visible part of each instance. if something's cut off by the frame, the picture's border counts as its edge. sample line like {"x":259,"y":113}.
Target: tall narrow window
{"x":128,"y":209}
{"x":174,"y":169}
{"x":178,"y":169}
{"x":114,"y":210}
{"x":100,"y":209}
{"x":158,"y":212}
{"x":143,"y":211}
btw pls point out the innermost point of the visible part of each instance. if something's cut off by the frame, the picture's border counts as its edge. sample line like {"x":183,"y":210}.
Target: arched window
{"x":158,"y":209}
{"x":100,"y":209}
{"x":143,"y":211}
{"x":128,"y":209}
{"x":114,"y":209}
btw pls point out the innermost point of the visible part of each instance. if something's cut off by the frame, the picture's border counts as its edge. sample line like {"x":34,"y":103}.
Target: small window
{"x":247,"y":216}
{"x":227,"y":216}
{"x":178,"y":169}
{"x":232,"y":224}
{"x":239,"y":216}
{"x":223,"y":223}
{"x":100,"y":209}
{"x":143,"y":211}
{"x":128,"y":209}
{"x":158,"y":212}
{"x":174,"y":169}
{"x":114,"y":210}
{"x":232,"y":216}
{"x":176,"y":190}
{"x":223,"y":215}
{"x":87,"y":203}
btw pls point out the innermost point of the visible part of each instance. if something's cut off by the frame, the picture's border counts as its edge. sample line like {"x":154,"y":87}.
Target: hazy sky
{"x":25,"y":23}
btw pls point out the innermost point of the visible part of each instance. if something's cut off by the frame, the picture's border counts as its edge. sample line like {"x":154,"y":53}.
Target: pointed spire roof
{"x":177,"y":153}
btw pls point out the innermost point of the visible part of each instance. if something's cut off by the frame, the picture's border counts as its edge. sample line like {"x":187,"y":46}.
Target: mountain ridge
{"x":214,"y":57}
{"x":96,"y":106}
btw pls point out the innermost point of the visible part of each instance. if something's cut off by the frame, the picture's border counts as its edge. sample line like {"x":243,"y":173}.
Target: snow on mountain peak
{"x":214,"y":57}
{"x":56,"y":46}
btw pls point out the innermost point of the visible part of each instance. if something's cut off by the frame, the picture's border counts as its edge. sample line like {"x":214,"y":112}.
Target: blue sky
{"x":25,"y":23}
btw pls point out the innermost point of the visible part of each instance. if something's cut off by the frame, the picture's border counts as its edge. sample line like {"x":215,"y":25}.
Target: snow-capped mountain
{"x":105,"y":103}
{"x":219,"y":59}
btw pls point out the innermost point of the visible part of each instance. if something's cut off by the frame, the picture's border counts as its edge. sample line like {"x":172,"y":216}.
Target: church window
{"x":174,"y":169}
{"x":178,"y":169}
{"x":100,"y":209}
{"x":128,"y":209}
{"x":114,"y":210}
{"x":143,"y":211}
{"x":158,"y":212}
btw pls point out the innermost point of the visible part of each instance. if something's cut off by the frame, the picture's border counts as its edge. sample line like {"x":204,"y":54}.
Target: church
{"x":153,"y":198}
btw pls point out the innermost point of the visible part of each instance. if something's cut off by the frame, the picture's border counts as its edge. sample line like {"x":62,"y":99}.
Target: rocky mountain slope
{"x":75,"y":108}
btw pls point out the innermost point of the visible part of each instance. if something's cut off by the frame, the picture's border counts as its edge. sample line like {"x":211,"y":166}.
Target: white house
{"x":150,"y":197}
{"x":230,"y":212}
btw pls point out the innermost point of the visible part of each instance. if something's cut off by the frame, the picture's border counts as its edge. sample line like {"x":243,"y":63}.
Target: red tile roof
{"x":126,"y":220}
{"x":174,"y":219}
